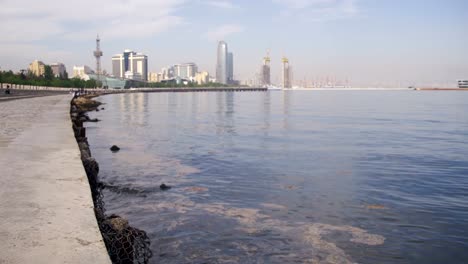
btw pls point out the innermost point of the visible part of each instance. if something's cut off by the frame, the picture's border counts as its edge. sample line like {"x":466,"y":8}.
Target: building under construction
{"x":285,"y":74}
{"x":265,"y":71}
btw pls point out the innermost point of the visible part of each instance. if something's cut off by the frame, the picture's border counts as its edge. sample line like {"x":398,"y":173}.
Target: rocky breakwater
{"x":124,"y":243}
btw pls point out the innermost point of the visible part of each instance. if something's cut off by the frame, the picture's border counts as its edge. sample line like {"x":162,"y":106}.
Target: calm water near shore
{"x":290,"y":177}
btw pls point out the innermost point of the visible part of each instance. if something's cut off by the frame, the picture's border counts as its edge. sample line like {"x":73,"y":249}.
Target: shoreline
{"x":100,"y":92}
{"x":441,"y":89}
{"x":124,"y":243}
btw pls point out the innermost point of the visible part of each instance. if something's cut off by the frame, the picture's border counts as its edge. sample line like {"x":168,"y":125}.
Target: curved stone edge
{"x":124,"y":243}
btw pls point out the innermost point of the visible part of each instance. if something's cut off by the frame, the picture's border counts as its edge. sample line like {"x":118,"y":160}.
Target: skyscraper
{"x":265,"y":75}
{"x":130,"y":65}
{"x":230,"y":67}
{"x":286,"y":74}
{"x":221,"y":65}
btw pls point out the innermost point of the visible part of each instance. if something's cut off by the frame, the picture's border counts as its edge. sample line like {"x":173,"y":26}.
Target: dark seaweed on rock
{"x":114,"y":148}
{"x":124,"y":243}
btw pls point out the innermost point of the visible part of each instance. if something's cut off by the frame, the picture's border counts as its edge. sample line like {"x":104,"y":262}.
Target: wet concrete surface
{"x":46,"y":210}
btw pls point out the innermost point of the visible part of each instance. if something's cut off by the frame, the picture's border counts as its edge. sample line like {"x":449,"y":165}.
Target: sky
{"x":367,"y":42}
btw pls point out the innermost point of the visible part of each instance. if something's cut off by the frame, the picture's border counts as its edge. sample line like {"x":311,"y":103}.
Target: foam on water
{"x":293,"y":177}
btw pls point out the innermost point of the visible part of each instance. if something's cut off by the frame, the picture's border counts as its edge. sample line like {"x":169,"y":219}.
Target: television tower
{"x":98,"y":55}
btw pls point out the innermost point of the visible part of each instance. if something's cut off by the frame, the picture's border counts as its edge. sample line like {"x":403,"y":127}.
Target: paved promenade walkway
{"x":24,"y":94}
{"x":46,"y":210}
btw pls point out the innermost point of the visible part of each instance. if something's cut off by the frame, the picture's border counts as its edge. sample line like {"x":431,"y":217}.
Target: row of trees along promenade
{"x":24,"y":78}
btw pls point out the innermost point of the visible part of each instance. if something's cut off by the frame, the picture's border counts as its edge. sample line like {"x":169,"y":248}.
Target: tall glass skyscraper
{"x":222,"y":64}
{"x":230,"y":67}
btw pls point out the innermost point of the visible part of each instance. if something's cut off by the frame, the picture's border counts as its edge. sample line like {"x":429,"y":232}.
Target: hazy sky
{"x":369,"y":42}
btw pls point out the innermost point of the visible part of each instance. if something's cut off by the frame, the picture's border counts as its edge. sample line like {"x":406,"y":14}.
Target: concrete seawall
{"x":46,"y":209}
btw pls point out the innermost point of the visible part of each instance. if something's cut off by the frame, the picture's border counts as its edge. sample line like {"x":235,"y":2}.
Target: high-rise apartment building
{"x":58,"y":69}
{"x":153,"y":77}
{"x":222,"y":64}
{"x":202,"y":77}
{"x":185,"y":70}
{"x":82,"y":72}
{"x":130,"y":65}
{"x":37,"y":68}
{"x":286,"y":74}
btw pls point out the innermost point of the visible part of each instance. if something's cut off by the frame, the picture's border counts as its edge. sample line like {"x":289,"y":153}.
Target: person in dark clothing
{"x":7,"y":91}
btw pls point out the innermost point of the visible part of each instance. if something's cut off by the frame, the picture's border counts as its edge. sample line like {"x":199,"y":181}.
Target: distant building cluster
{"x":131,"y":67}
{"x":265,"y":73}
{"x":180,"y":73}
{"x":37,"y":68}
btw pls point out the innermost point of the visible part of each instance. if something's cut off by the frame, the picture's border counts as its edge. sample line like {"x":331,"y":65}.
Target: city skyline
{"x":367,"y":42}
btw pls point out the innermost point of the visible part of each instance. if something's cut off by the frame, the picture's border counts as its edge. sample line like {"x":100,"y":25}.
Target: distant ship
{"x":336,"y":86}
{"x":462,"y":83}
{"x":274,"y":88}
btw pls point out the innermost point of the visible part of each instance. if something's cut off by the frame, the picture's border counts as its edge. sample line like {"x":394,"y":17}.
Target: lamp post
{"x":23,"y":76}
{"x":1,"y":78}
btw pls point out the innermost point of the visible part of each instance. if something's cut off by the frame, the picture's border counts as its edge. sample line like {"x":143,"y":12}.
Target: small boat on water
{"x":273,"y":88}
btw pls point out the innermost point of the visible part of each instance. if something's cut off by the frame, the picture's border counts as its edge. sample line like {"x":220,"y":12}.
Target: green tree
{"x":23,"y":75}
{"x":91,"y":83}
{"x":48,"y":73}
{"x":77,"y":83}
{"x":64,"y":76}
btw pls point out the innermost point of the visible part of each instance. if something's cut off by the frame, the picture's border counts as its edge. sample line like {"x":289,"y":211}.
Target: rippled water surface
{"x":290,"y":177}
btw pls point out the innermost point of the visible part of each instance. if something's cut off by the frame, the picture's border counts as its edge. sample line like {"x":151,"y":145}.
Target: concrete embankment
{"x":46,"y":209}
{"x":25,"y":94}
{"x":125,"y":243}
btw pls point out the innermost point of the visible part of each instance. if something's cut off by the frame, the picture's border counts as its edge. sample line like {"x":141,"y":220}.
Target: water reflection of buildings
{"x":225,"y":123}
{"x":266,"y":111}
{"x":287,"y":98}
{"x":133,"y":107}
